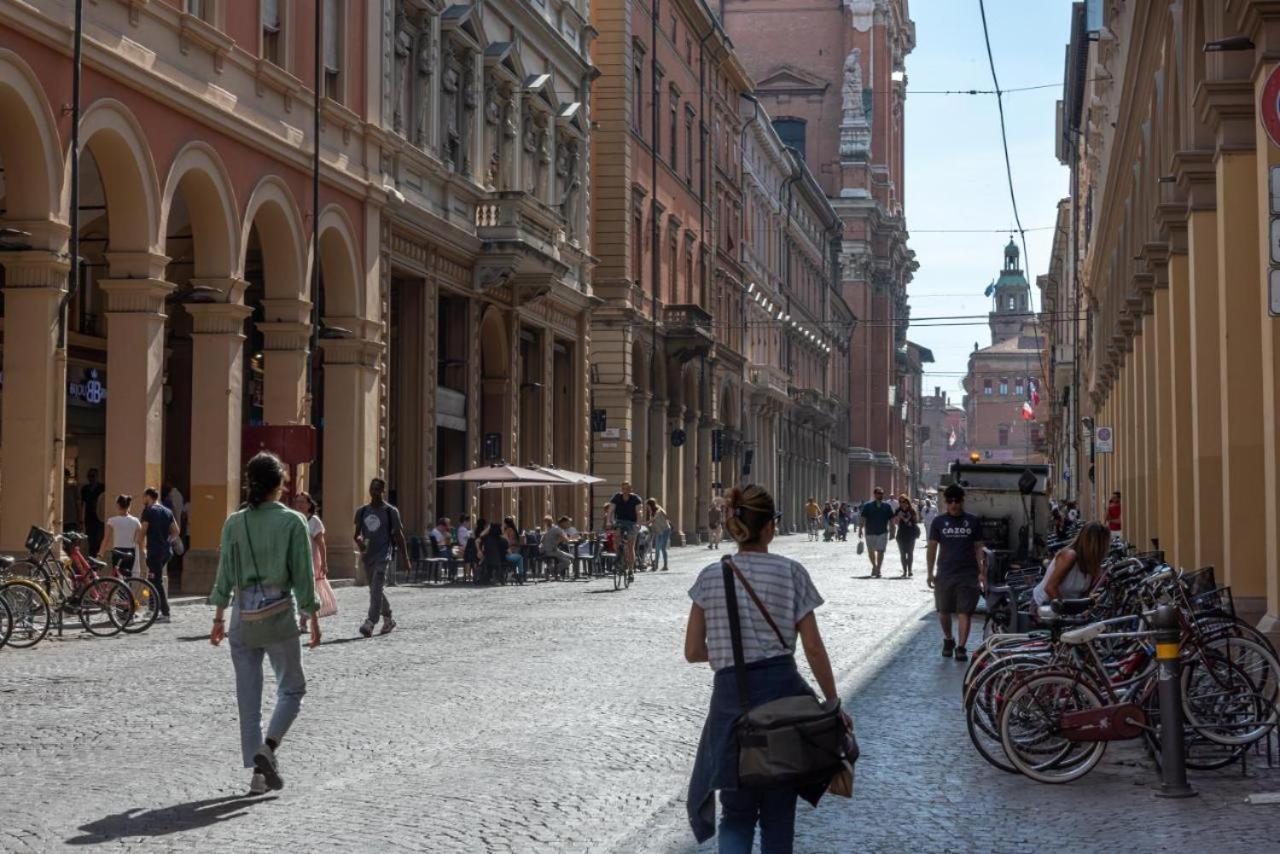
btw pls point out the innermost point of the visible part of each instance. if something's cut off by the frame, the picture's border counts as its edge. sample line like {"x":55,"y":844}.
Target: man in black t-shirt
{"x":962,"y":571}
{"x":877,"y":523}
{"x":624,"y":514}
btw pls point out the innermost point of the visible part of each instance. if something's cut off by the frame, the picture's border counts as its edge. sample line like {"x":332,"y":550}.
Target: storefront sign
{"x":1104,"y":441}
{"x":86,"y":386}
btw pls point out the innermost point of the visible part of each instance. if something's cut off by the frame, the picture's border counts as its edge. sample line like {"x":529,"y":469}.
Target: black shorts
{"x":956,"y":594}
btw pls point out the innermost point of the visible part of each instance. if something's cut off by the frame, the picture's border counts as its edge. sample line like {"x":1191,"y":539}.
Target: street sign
{"x":677,"y":437}
{"x":1104,"y":441}
{"x":491,"y":447}
{"x":1269,"y":109}
{"x":1275,"y":240}
{"x":1275,"y":189}
{"x":598,"y":419}
{"x":1273,"y":293}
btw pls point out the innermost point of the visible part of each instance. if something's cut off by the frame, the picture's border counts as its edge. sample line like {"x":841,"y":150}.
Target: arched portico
{"x":497,"y":411}
{"x":34,"y":277}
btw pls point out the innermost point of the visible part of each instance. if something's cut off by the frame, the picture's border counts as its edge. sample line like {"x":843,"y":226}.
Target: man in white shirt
{"x":464,"y":531}
{"x":440,"y":535}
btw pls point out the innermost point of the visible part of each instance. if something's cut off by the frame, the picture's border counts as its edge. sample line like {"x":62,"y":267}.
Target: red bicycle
{"x":104,"y":605}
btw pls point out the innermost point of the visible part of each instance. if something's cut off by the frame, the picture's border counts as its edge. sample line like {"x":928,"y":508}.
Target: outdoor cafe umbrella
{"x":562,"y":477}
{"x":501,"y":474}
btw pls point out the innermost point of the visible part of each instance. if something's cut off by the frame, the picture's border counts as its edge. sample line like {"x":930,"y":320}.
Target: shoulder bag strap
{"x":735,"y":633}
{"x":257,"y":575}
{"x":754,"y":598}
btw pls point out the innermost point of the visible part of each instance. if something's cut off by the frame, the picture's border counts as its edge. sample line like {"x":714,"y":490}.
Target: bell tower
{"x":1011,"y":296}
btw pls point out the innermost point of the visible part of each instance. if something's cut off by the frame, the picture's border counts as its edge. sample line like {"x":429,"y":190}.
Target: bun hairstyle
{"x":747,"y":512}
{"x":124,"y":502}
{"x":264,"y":474}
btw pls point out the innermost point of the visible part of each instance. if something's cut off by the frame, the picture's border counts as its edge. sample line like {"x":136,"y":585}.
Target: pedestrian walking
{"x":877,"y":524}
{"x":907,"y":526}
{"x":264,"y":565}
{"x":380,"y":538}
{"x":928,"y":514}
{"x":90,"y":494}
{"x":306,"y":505}
{"x":156,"y":534}
{"x":713,"y":525}
{"x":812,"y":518}
{"x":842,"y":522}
{"x":955,"y":546}
{"x":776,"y":601}
{"x":1114,"y":514}
{"x":121,"y":539}
{"x":660,"y":525}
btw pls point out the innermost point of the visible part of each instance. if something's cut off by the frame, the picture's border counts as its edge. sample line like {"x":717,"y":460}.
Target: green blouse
{"x":282,"y":546}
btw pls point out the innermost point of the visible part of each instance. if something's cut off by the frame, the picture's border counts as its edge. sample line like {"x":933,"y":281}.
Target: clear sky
{"x":955,"y":176}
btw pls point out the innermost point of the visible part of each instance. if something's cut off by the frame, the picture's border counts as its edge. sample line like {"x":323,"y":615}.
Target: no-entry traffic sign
{"x":1269,"y":109}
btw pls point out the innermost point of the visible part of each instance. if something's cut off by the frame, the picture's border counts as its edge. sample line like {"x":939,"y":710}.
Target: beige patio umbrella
{"x":501,"y":474}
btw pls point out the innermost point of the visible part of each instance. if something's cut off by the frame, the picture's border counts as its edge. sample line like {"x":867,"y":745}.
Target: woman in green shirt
{"x":265,"y":559}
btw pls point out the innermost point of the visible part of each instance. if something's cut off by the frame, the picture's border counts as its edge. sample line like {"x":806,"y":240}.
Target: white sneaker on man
{"x":258,"y":785}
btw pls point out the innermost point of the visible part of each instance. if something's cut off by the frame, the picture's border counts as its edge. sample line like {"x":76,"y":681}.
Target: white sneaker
{"x":258,"y":785}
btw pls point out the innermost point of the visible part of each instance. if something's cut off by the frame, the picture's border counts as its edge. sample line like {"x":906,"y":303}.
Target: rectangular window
{"x":688,"y":146}
{"x":675,"y":267}
{"x":272,"y":42}
{"x":1004,"y":386}
{"x":637,"y":91}
{"x":1004,"y":435}
{"x":332,"y":50}
{"x":657,"y":113}
{"x":1017,"y":386}
{"x":637,"y":241}
{"x":197,"y":8}
{"x":986,"y":387}
{"x":675,"y":129}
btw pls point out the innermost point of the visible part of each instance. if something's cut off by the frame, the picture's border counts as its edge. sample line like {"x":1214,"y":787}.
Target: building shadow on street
{"x":178,"y":818}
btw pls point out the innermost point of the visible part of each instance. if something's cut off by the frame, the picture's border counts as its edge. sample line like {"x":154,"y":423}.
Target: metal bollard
{"x":1173,"y":756}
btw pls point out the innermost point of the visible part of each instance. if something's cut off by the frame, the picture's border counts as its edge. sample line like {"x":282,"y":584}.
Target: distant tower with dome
{"x":1011,"y":298}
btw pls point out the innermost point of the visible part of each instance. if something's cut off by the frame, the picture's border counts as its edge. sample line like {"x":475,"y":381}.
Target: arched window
{"x":792,"y":133}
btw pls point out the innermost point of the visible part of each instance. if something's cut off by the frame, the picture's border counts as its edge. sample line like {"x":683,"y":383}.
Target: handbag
{"x":265,"y":619}
{"x":791,"y":741}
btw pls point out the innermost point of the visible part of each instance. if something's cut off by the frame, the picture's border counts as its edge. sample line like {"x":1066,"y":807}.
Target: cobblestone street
{"x":555,"y":717}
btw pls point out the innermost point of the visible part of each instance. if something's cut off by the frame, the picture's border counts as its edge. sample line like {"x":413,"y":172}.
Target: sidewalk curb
{"x":184,"y":600}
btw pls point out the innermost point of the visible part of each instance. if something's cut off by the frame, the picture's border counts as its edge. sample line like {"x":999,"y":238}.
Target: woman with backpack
{"x":769,"y":629}
{"x":264,"y":564}
{"x":907,"y":523}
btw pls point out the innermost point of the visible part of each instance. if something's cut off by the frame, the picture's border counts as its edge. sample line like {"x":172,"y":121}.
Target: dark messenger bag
{"x":788,"y":742}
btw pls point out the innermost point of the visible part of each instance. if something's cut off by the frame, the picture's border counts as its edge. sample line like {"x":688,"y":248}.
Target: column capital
{"x":136,"y":296}
{"x":231,"y":288}
{"x":285,"y":336}
{"x":137,"y":265}
{"x":1172,"y":218}
{"x":296,"y":311}
{"x":1198,"y":178}
{"x":1226,"y":106}
{"x":34,"y":268}
{"x":218,"y":318}
{"x":352,"y":351}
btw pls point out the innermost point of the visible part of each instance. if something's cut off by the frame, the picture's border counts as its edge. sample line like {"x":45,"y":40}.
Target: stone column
{"x":1268,"y":159}
{"x":35,"y":393}
{"x":1240,"y":337}
{"x":689,"y":477}
{"x":135,"y":373}
{"x":217,"y":365}
{"x":546,"y":412}
{"x":659,"y":446}
{"x":1206,"y":353}
{"x":350,"y":441}
{"x":1182,"y":497}
{"x":706,"y":470}
{"x":675,"y":473}
{"x":1164,"y":457}
{"x":640,"y":448}
{"x":287,"y":342}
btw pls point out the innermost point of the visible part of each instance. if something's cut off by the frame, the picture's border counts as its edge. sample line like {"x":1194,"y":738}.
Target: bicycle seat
{"x":1070,"y":607}
{"x":97,"y":564}
{"x":1084,"y":634}
{"x":74,"y":537}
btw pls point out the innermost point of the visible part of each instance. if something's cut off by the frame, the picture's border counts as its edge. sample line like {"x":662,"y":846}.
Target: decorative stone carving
{"x":424,"y":67}
{"x":450,"y":85}
{"x":492,"y":135}
{"x":567,"y":171}
{"x":855,"y":130}
{"x":403,"y":46}
{"x":466,"y":122}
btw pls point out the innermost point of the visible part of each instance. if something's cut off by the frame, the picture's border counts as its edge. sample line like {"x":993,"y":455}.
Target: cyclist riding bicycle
{"x":622,"y":513}
{"x":813,"y":518}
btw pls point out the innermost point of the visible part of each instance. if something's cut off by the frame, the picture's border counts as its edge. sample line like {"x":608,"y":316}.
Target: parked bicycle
{"x":103,"y":605}
{"x":30,"y":607}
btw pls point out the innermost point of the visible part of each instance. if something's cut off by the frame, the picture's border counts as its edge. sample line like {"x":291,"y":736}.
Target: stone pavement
{"x":554,"y":717}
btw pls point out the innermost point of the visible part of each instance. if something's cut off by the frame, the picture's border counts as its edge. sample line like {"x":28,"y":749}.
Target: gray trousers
{"x":378,"y":604}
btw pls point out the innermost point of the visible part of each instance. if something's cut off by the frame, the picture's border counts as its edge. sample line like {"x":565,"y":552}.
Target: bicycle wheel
{"x":6,"y":623}
{"x":105,"y":606}
{"x":1031,"y":734}
{"x":1201,"y":753}
{"x":982,"y":707}
{"x":29,"y":605}
{"x":146,"y":605}
{"x":1222,"y":703}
